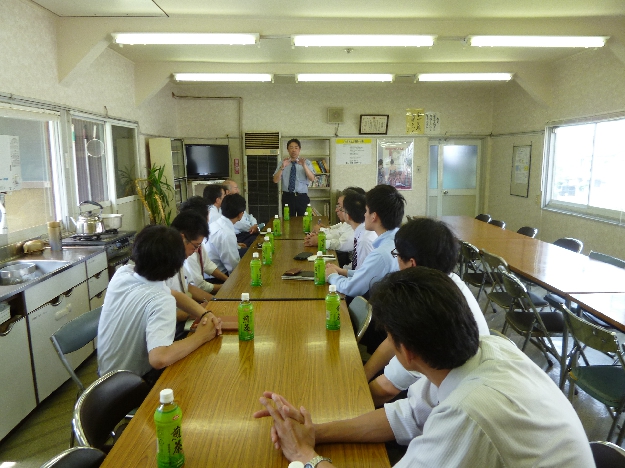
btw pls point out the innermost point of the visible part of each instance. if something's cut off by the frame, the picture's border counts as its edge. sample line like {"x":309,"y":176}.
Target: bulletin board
{"x":353,"y":150}
{"x":520,"y":177}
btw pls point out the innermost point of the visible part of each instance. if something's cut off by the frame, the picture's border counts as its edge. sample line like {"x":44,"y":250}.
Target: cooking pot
{"x":112,"y":221}
{"x":89,"y":222}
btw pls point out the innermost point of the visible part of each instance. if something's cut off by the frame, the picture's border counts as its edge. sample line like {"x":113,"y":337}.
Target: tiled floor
{"x":46,"y":431}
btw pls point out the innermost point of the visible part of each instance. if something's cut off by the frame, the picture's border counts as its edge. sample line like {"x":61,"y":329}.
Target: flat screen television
{"x":207,"y":161}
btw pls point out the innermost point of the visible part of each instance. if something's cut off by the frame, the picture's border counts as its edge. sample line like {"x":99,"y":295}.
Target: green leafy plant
{"x":155,"y":193}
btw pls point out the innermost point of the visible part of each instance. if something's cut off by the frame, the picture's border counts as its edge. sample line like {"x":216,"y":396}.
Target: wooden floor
{"x":46,"y":431}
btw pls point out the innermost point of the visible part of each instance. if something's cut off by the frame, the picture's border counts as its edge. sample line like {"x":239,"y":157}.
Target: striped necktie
{"x":355,"y":256}
{"x":292,"y":177}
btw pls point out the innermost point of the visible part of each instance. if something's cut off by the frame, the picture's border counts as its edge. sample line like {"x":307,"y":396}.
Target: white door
{"x":453,"y":176}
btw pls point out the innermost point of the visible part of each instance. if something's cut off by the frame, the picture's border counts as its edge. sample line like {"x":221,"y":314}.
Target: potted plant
{"x":155,"y":194}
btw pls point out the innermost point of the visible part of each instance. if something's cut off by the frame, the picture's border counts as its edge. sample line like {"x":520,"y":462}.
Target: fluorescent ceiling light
{"x":362,"y":40}
{"x":537,"y":41}
{"x":223,"y":77}
{"x":379,"y":77}
{"x":185,"y":38}
{"x":465,"y":76}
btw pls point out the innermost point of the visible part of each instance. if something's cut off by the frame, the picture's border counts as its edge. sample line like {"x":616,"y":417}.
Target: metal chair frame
{"x":587,"y":335}
{"x":76,"y":457}
{"x":360,"y":312}
{"x":535,"y":331}
{"x":471,"y":268}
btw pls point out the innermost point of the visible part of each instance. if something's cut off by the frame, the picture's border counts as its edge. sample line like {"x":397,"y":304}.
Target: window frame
{"x":587,"y":211}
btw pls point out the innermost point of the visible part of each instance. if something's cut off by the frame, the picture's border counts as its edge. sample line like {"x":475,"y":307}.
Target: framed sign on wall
{"x":520,"y":178}
{"x":373,"y":124}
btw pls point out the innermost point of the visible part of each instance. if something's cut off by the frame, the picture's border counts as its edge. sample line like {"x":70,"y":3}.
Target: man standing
{"x":247,"y":228}
{"x":222,"y":242}
{"x":481,"y":402}
{"x":295,"y":173}
{"x":138,"y":320}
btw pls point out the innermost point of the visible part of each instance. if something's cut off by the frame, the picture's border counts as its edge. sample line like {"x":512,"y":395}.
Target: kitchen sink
{"x":42,"y":268}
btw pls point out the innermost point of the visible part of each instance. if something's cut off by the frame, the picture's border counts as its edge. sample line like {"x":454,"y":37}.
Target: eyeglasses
{"x":394,"y":253}
{"x":339,"y":208}
{"x":195,"y":247}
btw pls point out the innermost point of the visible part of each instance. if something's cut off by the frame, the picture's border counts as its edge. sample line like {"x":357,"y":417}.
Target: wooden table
{"x":294,"y":228}
{"x":274,"y":287}
{"x":609,"y":307}
{"x":554,"y":268}
{"x":219,"y":384}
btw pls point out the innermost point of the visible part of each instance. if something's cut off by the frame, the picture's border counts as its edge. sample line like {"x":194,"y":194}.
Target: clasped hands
{"x":292,"y":431}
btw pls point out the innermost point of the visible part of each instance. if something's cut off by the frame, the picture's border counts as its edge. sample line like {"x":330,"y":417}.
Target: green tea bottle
{"x":271,"y":239}
{"x":333,"y":309}
{"x":321,"y":242}
{"x":255,"y":270}
{"x":286,"y":213}
{"x":168,"y":421}
{"x":267,"y":252}
{"x":246,"y":318}
{"x":276,"y":227}
{"x":320,"y":270}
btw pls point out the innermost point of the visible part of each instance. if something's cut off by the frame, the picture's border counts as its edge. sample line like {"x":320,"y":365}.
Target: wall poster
{"x":395,"y":159}
{"x":353,"y":150}
{"x":520,"y":177}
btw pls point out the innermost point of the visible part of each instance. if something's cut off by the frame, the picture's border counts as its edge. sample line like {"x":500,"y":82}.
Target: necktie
{"x":355,"y":256}
{"x":292,"y":178}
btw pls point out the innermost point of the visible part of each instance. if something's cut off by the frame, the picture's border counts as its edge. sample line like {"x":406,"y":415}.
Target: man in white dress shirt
{"x":420,"y":242}
{"x":480,"y":403}
{"x":214,"y":195}
{"x":223,"y":249}
{"x":246,"y":228}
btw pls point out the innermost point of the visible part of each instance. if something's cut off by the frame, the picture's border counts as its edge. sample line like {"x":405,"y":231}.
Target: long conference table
{"x":595,"y":285}
{"x":219,"y":384}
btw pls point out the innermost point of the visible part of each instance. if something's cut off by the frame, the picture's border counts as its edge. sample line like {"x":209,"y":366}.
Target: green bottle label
{"x":306,"y":223}
{"x":276,"y":227}
{"x":255,"y":272}
{"x":321,"y":242}
{"x":246,"y":321}
{"x":271,"y":241}
{"x":333,"y":311}
{"x":286,"y":213}
{"x":320,"y":271}
{"x":267,"y":253}
{"x":169,"y":452}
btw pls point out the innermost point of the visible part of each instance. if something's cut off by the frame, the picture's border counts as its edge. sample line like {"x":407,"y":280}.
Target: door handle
{"x":445,"y":192}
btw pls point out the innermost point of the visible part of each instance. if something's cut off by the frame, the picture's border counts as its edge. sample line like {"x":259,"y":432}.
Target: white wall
{"x":586,"y":84}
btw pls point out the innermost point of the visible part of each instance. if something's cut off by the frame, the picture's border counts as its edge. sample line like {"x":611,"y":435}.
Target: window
{"x":586,"y":164}
{"x":124,"y":159}
{"x":90,"y":159}
{"x":35,"y":202}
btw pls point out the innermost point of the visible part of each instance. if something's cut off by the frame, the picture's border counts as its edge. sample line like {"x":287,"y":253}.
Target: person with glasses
{"x":138,"y":321}
{"x":223,"y":248}
{"x":420,"y":242}
{"x":198,"y":263}
{"x":480,"y":403}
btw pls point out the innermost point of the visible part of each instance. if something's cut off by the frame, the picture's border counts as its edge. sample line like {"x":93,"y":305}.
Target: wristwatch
{"x":315,"y":461}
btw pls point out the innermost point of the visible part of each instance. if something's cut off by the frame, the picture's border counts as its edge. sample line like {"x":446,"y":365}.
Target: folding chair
{"x":537,"y":327}
{"x":472,"y":271}
{"x":76,"y":457}
{"x":360,"y":314}
{"x":104,"y":404}
{"x":568,"y":243}
{"x":498,"y":223}
{"x":605,"y":383}
{"x":607,"y":455}
{"x":528,"y":231}
{"x":483,"y":217}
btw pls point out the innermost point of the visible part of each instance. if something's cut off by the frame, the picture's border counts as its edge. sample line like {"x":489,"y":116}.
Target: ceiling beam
{"x":537,"y":81}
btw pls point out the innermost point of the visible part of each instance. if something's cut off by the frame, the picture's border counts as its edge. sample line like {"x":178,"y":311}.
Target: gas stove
{"x":117,"y":244}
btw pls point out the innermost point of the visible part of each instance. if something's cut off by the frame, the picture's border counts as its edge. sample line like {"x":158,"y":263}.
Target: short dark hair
{"x":212,"y":192}
{"x":158,"y":252}
{"x":430,"y":242}
{"x":388,"y":204}
{"x":232,"y":205}
{"x":191,"y":224}
{"x":354,"y":205}
{"x":353,"y":189}
{"x":293,"y":140}
{"x":197,"y":204}
{"x":424,"y":310}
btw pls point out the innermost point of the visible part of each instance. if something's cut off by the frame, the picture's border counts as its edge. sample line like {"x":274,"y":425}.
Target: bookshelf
{"x":317,"y":151}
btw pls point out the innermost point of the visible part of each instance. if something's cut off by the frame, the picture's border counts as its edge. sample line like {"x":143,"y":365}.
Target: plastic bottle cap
{"x":319,"y":254}
{"x":286,"y":205}
{"x":333,"y":288}
{"x":268,"y":229}
{"x":276,"y":216}
{"x":267,"y":238}
{"x":245,"y":296}
{"x":309,"y":204}
{"x":167,"y":395}
{"x":255,"y":255}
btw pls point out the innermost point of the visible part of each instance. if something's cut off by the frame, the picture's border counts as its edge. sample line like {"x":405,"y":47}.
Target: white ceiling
{"x":90,"y":21}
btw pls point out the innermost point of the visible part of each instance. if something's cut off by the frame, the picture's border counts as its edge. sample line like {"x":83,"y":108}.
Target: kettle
{"x":89,"y":222}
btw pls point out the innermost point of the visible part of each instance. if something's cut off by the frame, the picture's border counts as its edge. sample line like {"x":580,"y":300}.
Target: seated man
{"x":198,"y":263}
{"x":214,"y":195}
{"x":384,"y":212}
{"x":481,"y":402}
{"x":138,"y":320}
{"x":247,"y":228}
{"x":339,"y":237}
{"x":420,"y":242}
{"x":222,"y":242}
{"x":354,"y":216}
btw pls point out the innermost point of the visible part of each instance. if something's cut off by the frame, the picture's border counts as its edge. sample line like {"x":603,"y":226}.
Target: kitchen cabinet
{"x":47,"y":311}
{"x":17,"y":391}
{"x":97,"y":279}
